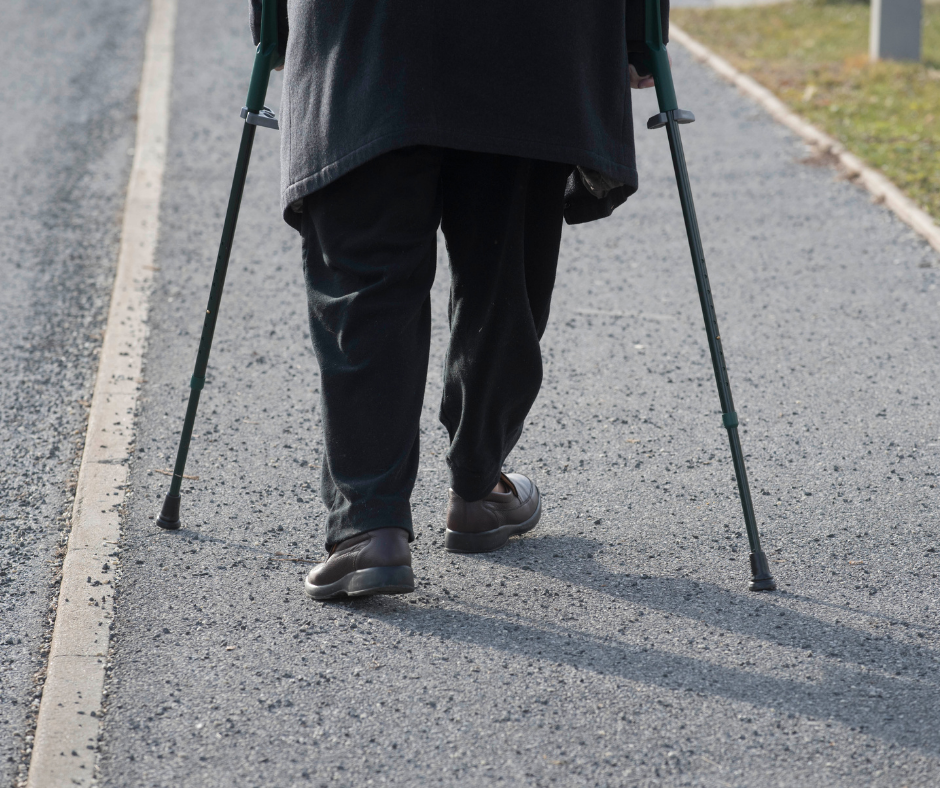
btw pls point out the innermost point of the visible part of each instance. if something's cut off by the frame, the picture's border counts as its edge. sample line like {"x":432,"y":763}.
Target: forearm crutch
{"x":671,"y":117}
{"x":255,"y":114}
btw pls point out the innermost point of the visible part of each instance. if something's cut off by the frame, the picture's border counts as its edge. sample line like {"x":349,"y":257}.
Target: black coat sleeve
{"x":254,"y":22}
{"x":581,"y":206}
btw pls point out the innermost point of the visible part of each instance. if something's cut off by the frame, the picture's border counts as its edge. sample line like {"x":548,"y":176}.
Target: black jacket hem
{"x":523,"y":148}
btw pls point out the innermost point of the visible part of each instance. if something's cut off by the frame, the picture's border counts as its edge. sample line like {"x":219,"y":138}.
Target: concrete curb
{"x":66,"y":740}
{"x":880,"y":187}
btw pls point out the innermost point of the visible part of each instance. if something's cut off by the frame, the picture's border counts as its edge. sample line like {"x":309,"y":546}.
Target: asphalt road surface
{"x":68,"y":91}
{"x":616,"y":645}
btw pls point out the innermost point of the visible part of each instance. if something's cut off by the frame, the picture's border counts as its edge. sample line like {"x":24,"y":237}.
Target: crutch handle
{"x":657,"y":61}
{"x":267,"y":58}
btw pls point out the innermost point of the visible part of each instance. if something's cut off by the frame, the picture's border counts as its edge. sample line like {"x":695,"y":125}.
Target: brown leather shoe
{"x":482,"y":526}
{"x":376,"y":562}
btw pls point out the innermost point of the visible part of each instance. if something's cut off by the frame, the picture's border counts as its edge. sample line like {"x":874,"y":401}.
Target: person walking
{"x":494,"y":122}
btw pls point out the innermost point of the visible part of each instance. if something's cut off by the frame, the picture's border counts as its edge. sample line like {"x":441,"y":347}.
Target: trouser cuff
{"x":359,"y":518}
{"x":472,"y":486}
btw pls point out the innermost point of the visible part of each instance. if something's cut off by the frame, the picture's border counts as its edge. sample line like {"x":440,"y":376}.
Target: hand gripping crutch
{"x":671,"y":116}
{"x":255,"y":114}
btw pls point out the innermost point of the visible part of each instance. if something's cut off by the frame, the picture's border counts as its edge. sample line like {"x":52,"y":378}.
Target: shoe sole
{"x":488,"y":541}
{"x":366,"y":582}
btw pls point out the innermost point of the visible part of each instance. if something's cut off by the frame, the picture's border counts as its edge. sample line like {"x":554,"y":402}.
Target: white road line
{"x":882,"y":190}
{"x":66,"y":741}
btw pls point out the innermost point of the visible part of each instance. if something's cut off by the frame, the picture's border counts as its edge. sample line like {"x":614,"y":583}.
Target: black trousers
{"x":369,"y":246}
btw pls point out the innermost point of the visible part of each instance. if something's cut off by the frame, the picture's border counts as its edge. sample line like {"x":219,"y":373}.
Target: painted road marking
{"x":66,"y":741}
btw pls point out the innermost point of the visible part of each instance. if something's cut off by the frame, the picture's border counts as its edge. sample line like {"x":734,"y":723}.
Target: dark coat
{"x":543,"y":79}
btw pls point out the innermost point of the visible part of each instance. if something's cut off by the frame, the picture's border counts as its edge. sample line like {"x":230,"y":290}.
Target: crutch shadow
{"x":754,"y":615}
{"x":859,"y":691}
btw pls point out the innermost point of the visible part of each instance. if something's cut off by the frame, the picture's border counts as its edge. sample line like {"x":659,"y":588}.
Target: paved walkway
{"x":616,"y":645}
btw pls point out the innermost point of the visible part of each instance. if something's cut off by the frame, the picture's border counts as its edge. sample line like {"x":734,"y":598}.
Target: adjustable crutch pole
{"x":255,"y":114}
{"x":671,"y":116}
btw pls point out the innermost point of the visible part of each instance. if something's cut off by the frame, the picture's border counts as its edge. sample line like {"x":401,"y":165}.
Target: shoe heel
{"x":486,"y":542}
{"x":365,"y":582}
{"x":381,"y":580}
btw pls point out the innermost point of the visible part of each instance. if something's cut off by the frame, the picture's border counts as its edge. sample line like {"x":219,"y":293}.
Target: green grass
{"x":814,"y":56}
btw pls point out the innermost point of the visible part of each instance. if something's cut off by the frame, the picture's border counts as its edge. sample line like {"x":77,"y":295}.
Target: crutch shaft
{"x":267,"y":57}
{"x":169,"y":516}
{"x":671,"y":116}
{"x":761,"y":579}
{"x":215,"y":301}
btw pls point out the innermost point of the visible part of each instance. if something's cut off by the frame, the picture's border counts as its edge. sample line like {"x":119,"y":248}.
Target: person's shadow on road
{"x":862,"y":690}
